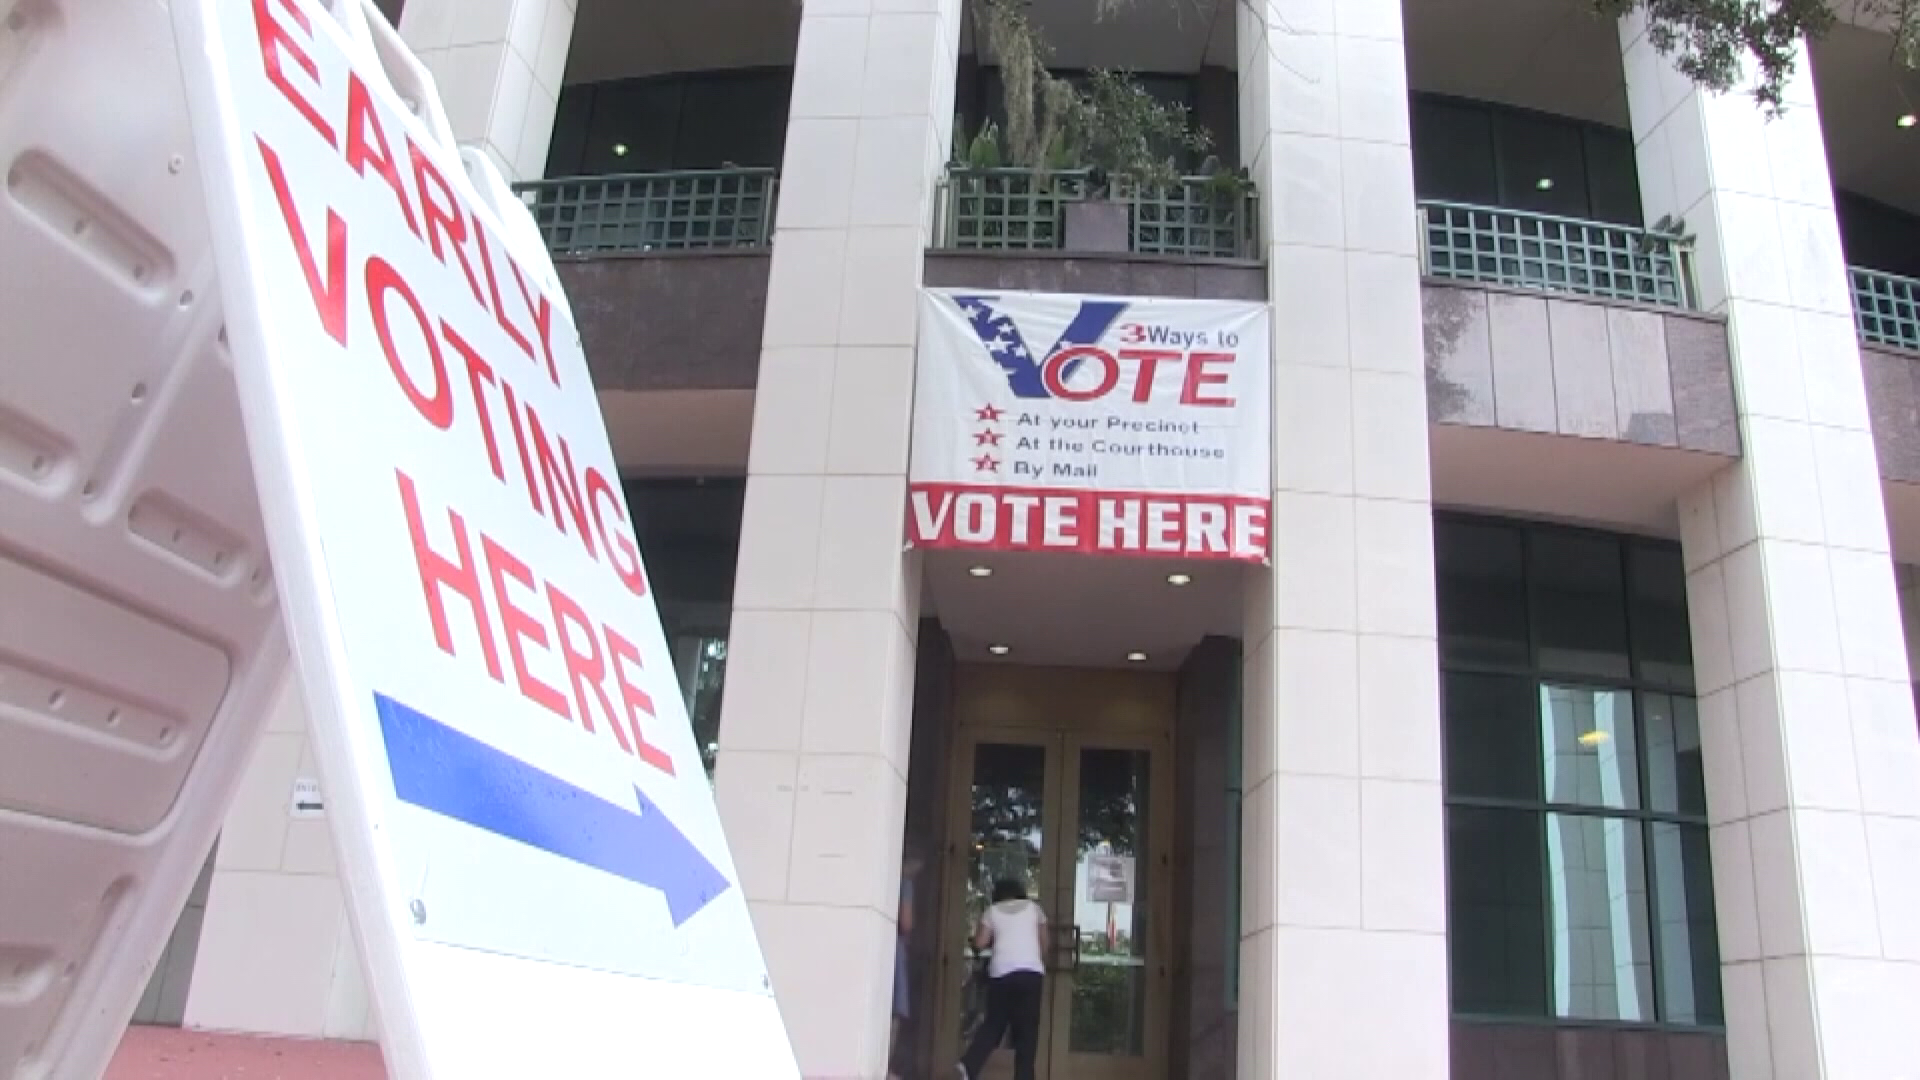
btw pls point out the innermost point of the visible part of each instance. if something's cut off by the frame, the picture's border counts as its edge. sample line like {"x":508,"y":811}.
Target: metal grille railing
{"x":1535,"y":251}
{"x":1196,"y":218}
{"x":667,"y":211}
{"x":1886,"y":307}
{"x":1016,"y":209}
{"x":1009,"y":209}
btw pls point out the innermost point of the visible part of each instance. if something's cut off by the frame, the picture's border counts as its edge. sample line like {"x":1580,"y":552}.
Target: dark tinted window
{"x":1496,"y":912}
{"x":1579,"y":603}
{"x":702,"y":120}
{"x":1676,"y":776}
{"x":1542,"y":164}
{"x":1493,"y":155}
{"x":1684,"y":925}
{"x":1613,"y":176}
{"x":733,"y":121}
{"x":1580,"y":882}
{"x":1480,"y":575}
{"x":1492,"y":736}
{"x":1657,"y":586}
{"x":1878,"y":236}
{"x":1453,"y":152}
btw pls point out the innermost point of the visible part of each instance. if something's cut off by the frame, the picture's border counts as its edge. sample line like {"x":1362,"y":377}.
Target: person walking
{"x":911,"y":864}
{"x":1016,"y":929}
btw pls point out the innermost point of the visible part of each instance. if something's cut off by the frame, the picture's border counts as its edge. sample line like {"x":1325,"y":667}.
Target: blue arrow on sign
{"x":439,"y":769}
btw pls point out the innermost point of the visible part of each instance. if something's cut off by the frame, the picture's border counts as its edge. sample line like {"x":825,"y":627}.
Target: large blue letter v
{"x":1008,"y":348}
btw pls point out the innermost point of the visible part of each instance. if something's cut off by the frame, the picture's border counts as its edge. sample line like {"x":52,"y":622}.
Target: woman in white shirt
{"x":1016,"y":928}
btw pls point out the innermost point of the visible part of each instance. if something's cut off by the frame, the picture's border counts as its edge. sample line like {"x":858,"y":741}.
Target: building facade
{"x":1571,"y":731}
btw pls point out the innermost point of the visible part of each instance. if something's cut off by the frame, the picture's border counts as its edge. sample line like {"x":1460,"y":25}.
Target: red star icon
{"x":986,"y":438}
{"x":986,"y":413}
{"x":986,"y":463}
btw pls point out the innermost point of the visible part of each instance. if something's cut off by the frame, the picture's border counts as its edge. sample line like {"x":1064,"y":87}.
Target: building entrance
{"x":1062,"y":781}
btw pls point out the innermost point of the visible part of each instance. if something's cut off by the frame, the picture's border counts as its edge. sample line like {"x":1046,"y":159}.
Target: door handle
{"x":1069,"y":948}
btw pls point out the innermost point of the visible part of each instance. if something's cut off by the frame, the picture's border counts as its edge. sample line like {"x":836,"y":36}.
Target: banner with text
{"x":1054,"y":422}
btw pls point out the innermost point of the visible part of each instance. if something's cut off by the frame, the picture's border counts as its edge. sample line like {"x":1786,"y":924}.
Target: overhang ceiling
{"x":622,"y":39}
{"x":617,"y":39}
{"x":1601,"y":483}
{"x":679,"y":432}
{"x":1554,"y":56}
{"x":1862,"y":93}
{"x":1064,"y":610}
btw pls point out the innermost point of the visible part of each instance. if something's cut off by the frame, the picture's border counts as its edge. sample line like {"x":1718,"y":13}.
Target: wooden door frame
{"x":1063,"y":710}
{"x":1158,"y":872}
{"x":952,"y":955}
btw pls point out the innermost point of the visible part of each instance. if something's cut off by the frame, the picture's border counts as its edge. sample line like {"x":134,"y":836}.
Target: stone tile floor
{"x":151,"y":1053}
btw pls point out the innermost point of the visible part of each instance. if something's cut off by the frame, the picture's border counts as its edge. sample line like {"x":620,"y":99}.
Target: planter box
{"x":1100,"y":226}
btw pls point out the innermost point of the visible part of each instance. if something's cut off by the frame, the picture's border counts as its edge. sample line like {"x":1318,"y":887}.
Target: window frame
{"x":1637,"y":686}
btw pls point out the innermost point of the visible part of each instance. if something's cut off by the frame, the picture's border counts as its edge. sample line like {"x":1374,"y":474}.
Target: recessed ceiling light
{"x":980,"y":571}
{"x":619,"y":149}
{"x":1906,"y":120}
{"x":999,"y":650}
{"x":1545,"y":183}
{"x":1179,"y":579}
{"x":1136,"y":657}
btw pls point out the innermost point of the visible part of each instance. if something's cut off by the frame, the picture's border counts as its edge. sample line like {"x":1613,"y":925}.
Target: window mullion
{"x":1655,"y":986}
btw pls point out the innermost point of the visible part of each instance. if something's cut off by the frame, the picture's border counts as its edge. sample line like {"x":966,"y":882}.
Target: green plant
{"x":1122,"y":131}
{"x":1113,"y":127}
{"x":1039,"y":105}
{"x":984,"y":151}
{"x":1223,"y":184}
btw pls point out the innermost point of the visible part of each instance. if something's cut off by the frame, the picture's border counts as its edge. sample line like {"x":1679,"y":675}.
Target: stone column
{"x":498,"y":66}
{"x":1807,"y":721}
{"x":277,"y":953}
{"x":1343,"y":920}
{"x":817,"y":718}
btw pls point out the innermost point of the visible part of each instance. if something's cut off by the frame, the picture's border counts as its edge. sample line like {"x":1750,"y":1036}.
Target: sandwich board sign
{"x":527,"y":838}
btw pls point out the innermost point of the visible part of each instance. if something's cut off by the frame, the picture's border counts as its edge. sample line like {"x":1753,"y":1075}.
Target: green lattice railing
{"x":1535,"y":251}
{"x":666,"y":211}
{"x":1024,"y":210}
{"x":1886,"y":307}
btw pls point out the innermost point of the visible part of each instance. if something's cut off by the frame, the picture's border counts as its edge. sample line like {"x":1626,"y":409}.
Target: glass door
{"x":1079,"y":820}
{"x":1108,"y":992}
{"x":1006,"y":816}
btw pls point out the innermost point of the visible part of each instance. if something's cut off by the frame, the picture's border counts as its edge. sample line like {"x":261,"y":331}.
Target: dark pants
{"x":1013,"y":1005}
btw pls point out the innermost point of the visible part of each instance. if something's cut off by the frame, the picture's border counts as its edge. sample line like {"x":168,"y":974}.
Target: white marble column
{"x":1343,"y":917}
{"x":1812,"y":760}
{"x":277,"y":954}
{"x":498,"y":65}
{"x":818,"y":709}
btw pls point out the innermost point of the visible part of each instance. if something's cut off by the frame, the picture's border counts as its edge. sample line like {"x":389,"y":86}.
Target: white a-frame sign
{"x":244,"y":257}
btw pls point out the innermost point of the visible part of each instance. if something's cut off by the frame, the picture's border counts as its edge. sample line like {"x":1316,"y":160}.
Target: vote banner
{"x":1112,"y":426}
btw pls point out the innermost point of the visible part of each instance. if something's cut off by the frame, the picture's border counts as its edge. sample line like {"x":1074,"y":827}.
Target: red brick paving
{"x":149,"y":1053}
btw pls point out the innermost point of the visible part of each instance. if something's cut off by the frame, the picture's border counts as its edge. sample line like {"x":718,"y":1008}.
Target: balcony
{"x":1540,"y":253}
{"x":1024,"y":210}
{"x":1886,"y":312}
{"x":1562,"y":348}
{"x":1886,"y":308}
{"x":666,"y":272}
{"x":637,"y":213}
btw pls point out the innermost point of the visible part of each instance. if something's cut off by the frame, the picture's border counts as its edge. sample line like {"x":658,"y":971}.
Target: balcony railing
{"x":665,"y":211}
{"x":1553,"y":254}
{"x":1025,"y":210}
{"x":1886,"y":308}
